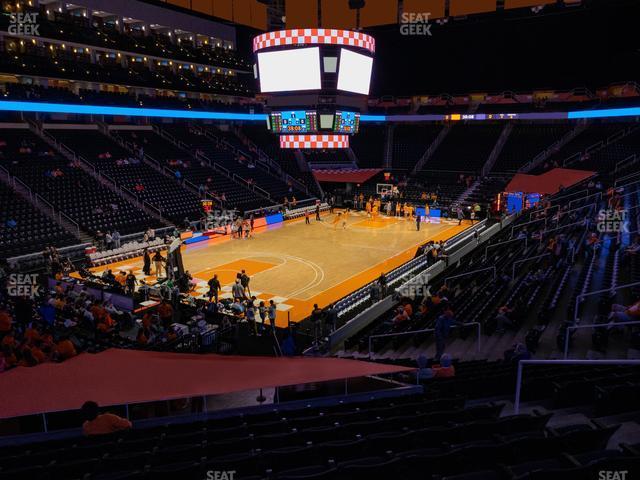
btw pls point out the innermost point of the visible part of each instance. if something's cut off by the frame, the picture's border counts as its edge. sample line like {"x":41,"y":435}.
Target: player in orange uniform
{"x":336,"y":220}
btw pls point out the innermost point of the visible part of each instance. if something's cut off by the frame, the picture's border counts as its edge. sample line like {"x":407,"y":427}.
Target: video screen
{"x":294,"y":121}
{"x":290,"y":70}
{"x":346,"y":122}
{"x":326,"y":121}
{"x":354,"y":72}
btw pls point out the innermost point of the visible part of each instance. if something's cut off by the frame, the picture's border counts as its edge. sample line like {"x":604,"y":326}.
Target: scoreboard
{"x":293,"y":121}
{"x":346,"y":122}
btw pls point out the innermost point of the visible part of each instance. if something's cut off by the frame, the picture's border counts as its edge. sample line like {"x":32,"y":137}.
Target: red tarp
{"x":348,"y":175}
{"x":117,"y":376}
{"x":547,"y":183}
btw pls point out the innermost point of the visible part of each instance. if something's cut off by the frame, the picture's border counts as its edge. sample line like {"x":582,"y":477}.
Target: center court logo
{"x":415,"y":24}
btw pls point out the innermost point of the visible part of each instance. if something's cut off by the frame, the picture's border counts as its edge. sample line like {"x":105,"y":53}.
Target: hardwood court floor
{"x":298,"y":265}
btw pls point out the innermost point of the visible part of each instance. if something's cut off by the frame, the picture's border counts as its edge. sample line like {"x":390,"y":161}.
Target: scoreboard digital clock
{"x":293,"y":121}
{"x":346,"y":122}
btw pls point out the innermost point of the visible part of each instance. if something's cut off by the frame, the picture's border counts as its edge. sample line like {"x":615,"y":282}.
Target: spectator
{"x":442,"y":328}
{"x":620,"y":313}
{"x":316,"y":320}
{"x":445,"y":369}
{"x":101,"y":424}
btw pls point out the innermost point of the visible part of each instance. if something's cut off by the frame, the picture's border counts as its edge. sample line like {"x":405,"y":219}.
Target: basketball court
{"x":298,"y":265}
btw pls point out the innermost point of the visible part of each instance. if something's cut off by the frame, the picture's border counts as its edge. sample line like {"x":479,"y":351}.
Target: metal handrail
{"x":570,"y":195}
{"x":471,"y":273}
{"x":262,"y":191}
{"x":593,"y":325}
{"x":70,"y":220}
{"x":545,"y":219}
{"x":597,"y":292}
{"x":23,"y":185}
{"x":486,"y":250}
{"x":597,"y":194}
{"x":40,"y":198}
{"x":521,"y":363}
{"x":626,"y":177}
{"x":582,"y":222}
{"x":427,"y":330}
{"x":535,"y":210}
{"x":518,"y":262}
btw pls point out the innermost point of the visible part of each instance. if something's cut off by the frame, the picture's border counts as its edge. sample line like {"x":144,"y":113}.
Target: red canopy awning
{"x":347,"y":175}
{"x":116,"y":377}
{"x":549,"y":182}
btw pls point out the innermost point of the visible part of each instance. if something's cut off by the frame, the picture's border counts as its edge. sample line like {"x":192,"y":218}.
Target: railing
{"x":486,"y":250}
{"x":464,"y":235}
{"x":39,"y":199}
{"x":626,"y":177}
{"x":627,"y":162}
{"x":555,"y":199}
{"x":71,"y":221}
{"x":5,"y":173}
{"x":471,"y":273}
{"x":597,"y":194}
{"x":545,"y":220}
{"x":522,"y":363}
{"x":262,"y":191}
{"x":546,"y":210}
{"x":598,"y":292}
{"x":24,"y":186}
{"x":544,"y":232}
{"x":513,"y":269}
{"x":570,"y":328}
{"x":547,"y":152}
{"x":427,"y":330}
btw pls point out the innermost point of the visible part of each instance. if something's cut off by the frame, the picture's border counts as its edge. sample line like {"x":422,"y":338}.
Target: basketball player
{"x":344,"y":218}
{"x":427,"y":213}
{"x":336,"y":220}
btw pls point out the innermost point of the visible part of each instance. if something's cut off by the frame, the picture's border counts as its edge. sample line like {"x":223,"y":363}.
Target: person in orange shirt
{"x":31,"y":335}
{"x":445,"y":369}
{"x":66,"y":349}
{"x":98,"y":312}
{"x":101,"y":424}
{"x":5,"y":322}
{"x":9,"y":341}
{"x":122,"y":279}
{"x":141,"y":338}
{"x":38,"y":354}
{"x":147,"y":320}
{"x":408,"y":308}
{"x":106,"y":324}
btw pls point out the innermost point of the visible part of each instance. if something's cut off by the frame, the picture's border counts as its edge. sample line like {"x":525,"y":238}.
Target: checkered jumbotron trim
{"x":314,"y":141}
{"x":314,"y":36}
